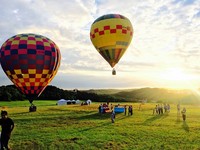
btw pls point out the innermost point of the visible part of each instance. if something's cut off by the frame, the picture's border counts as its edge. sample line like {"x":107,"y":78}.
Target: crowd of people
{"x":161,"y":108}
{"x":106,"y":107}
{"x":128,"y":110}
{"x":103,"y":108}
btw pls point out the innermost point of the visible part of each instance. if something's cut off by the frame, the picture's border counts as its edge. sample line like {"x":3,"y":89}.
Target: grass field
{"x":74,"y":127}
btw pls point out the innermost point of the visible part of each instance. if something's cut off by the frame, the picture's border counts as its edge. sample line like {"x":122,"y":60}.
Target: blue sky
{"x":164,"y":51}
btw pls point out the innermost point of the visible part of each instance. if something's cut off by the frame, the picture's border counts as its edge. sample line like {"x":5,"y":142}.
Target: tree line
{"x":11,"y":93}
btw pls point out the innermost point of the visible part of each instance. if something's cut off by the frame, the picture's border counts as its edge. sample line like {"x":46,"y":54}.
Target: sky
{"x":164,"y":51}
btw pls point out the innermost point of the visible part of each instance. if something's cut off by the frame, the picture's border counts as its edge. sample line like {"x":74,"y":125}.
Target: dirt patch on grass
{"x":74,"y":139}
{"x":113,"y":145}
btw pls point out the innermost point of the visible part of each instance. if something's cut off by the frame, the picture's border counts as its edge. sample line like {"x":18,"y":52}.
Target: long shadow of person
{"x":154,"y":118}
{"x":185,"y":126}
{"x":178,"y":119}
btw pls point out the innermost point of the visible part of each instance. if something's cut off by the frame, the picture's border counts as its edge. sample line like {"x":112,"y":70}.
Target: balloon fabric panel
{"x":30,"y":61}
{"x":112,"y":56}
{"x":111,"y":35}
{"x":108,"y":32}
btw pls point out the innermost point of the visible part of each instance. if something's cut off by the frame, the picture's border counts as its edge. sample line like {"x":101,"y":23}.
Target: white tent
{"x":78,"y":101}
{"x":88,"y":101}
{"x":61,"y":102}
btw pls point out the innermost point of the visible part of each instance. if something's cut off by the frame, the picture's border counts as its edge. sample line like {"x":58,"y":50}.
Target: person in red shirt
{"x":7,"y":126}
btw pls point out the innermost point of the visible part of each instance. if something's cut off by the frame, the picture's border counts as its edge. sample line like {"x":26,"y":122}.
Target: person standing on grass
{"x":7,"y":126}
{"x":99,"y":108}
{"x":111,"y":107}
{"x":168,"y":108}
{"x":113,"y":117}
{"x":125,"y":109}
{"x":155,"y":110}
{"x":130,"y":110}
{"x":184,"y":113}
{"x":178,"y":109}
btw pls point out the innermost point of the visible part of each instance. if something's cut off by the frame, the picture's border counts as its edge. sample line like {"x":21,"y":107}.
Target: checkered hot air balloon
{"x":30,"y":61}
{"x":111,"y":35}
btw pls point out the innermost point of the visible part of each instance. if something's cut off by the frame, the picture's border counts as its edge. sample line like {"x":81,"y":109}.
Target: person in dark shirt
{"x":184,"y":113}
{"x":7,"y":126}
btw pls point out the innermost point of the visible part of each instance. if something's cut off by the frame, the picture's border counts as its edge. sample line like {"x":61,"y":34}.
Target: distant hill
{"x":108,"y":91}
{"x":151,"y":95}
{"x":10,"y":93}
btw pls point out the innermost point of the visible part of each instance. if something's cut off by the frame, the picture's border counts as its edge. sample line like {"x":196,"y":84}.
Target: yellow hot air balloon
{"x":111,"y":35}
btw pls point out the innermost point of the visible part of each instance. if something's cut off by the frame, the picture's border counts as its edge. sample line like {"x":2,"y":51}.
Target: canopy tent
{"x":69,"y":102}
{"x":61,"y":102}
{"x":73,"y":101}
{"x":88,"y":101}
{"x":78,"y":101}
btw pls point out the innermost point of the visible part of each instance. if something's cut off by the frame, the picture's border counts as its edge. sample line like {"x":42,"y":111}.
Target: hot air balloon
{"x":111,"y":35}
{"x":30,"y":61}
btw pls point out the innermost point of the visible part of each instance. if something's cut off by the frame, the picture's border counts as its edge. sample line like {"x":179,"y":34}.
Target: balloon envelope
{"x":30,"y":61}
{"x":111,"y":35}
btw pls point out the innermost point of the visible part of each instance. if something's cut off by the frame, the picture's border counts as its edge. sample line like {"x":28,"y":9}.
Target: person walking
{"x":7,"y":126}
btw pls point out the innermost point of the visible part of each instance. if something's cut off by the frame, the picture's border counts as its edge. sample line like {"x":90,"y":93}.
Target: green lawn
{"x":77,"y":127}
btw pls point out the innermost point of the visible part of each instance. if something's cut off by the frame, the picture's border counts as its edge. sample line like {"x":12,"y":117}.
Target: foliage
{"x":11,"y":93}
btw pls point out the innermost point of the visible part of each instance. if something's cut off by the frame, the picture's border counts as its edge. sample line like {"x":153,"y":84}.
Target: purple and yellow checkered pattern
{"x":30,"y":61}
{"x":111,"y":35}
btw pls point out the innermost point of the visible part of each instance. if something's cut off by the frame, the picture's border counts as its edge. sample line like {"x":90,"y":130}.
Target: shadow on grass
{"x":95,"y":127}
{"x":106,"y":117}
{"x":179,"y":119}
{"x":20,"y":113}
{"x":154,"y":118}
{"x":94,"y":116}
{"x":185,"y":126}
{"x":57,"y":109}
{"x":98,"y":116}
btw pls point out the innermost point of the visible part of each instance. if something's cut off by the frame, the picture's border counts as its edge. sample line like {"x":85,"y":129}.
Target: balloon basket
{"x":113,"y":72}
{"x":32,"y":108}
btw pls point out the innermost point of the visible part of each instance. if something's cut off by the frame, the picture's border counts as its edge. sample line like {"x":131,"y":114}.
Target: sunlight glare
{"x":178,"y":78}
{"x":176,"y":74}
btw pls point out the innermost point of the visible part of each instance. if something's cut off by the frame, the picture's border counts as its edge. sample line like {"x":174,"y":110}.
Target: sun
{"x":176,"y":74}
{"x":176,"y":78}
